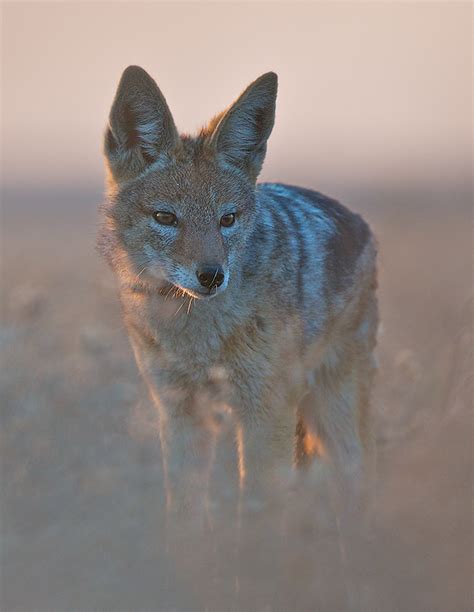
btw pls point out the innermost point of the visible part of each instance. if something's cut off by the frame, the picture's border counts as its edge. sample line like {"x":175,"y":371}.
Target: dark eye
{"x":228,"y":220}
{"x":165,"y":218}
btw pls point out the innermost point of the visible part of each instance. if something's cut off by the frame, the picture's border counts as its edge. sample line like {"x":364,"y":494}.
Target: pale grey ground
{"x":82,"y":499}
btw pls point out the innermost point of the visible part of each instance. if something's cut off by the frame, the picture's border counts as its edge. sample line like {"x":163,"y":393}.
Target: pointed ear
{"x":240,"y":137}
{"x":140,"y":128}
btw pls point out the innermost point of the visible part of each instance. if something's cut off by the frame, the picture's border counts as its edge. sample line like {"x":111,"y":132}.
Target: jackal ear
{"x":240,"y":137}
{"x":141,"y":126}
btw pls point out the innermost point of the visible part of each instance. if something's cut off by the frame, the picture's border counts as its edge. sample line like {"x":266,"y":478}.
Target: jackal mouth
{"x":199,"y":295}
{"x":176,"y":291}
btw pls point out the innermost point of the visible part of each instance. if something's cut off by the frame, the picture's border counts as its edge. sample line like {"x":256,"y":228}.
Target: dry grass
{"x":82,"y":501}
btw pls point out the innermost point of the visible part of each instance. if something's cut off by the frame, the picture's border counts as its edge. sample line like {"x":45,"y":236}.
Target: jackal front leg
{"x":187,"y":437}
{"x":187,"y":444}
{"x":266,"y":439}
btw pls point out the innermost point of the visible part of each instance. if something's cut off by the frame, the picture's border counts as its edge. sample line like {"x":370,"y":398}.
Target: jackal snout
{"x":210,"y":276}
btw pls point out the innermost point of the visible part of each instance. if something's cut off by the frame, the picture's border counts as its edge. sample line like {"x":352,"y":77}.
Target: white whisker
{"x":182,"y":304}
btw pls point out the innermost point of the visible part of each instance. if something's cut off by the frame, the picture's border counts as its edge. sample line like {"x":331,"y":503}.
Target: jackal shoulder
{"x":311,"y":248}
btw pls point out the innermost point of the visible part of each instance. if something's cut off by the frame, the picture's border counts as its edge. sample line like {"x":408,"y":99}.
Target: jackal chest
{"x":180,"y":338}
{"x":241,"y":352}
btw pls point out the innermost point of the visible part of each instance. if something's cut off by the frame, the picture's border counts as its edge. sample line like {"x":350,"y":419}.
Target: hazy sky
{"x":368,"y":92}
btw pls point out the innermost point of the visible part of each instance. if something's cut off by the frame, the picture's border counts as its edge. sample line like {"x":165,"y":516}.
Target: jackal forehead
{"x":191,"y":185}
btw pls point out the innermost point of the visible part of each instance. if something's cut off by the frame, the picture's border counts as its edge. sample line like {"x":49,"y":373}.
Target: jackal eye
{"x":228,"y":220}
{"x":165,"y":218}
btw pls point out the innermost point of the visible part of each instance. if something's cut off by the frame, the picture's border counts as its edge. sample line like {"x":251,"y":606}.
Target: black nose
{"x":210,"y":276}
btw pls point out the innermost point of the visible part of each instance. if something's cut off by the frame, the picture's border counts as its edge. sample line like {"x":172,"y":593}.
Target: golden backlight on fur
{"x":313,"y":445}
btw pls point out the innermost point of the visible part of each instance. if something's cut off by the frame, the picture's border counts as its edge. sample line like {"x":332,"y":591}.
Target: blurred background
{"x":374,"y":109}
{"x":370,"y":93}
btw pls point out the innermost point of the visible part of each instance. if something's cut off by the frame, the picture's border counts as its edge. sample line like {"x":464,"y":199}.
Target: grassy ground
{"x":82,"y":500}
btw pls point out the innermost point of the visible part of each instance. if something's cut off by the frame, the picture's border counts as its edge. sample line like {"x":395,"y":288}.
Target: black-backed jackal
{"x":270,"y":286}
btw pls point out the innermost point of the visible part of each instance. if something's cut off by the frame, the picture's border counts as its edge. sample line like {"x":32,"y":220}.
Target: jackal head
{"x":181,"y":208}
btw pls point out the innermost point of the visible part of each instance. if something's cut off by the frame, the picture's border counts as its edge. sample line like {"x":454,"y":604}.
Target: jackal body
{"x":266,"y":289}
